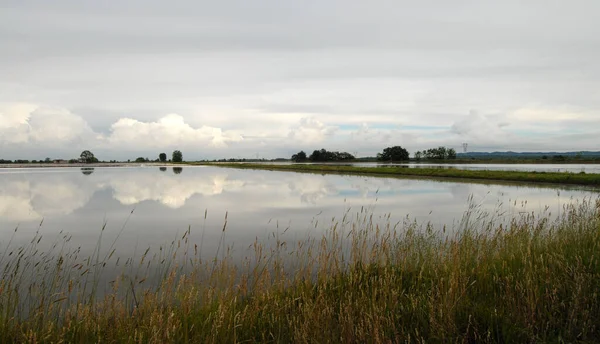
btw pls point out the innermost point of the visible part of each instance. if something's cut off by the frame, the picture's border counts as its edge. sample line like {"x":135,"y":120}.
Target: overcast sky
{"x":240,"y":78}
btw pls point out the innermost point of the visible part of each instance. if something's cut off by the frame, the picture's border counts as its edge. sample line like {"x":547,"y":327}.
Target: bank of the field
{"x":565,"y":178}
{"x":84,"y":165}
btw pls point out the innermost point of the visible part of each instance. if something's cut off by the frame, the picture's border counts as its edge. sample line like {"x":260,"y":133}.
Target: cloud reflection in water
{"x":256,"y":201}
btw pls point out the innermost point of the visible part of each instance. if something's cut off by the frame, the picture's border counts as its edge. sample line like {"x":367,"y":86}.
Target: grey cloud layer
{"x":258,"y":69}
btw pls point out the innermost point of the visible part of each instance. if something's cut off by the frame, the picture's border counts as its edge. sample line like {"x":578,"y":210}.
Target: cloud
{"x":50,"y":194}
{"x":363,"y":132}
{"x":54,"y":194}
{"x":310,"y":130}
{"x":311,"y":189}
{"x":14,"y":123}
{"x":230,"y":70}
{"x":169,"y":131}
{"x":39,"y":125}
{"x":56,"y":125}
{"x":15,"y":202}
{"x":544,"y":115}
{"x":14,"y":115}
{"x":481,"y":129}
{"x":167,"y":189}
{"x":43,"y":129}
{"x":365,"y":135}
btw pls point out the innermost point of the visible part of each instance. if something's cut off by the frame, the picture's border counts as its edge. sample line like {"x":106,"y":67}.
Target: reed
{"x":492,"y":277}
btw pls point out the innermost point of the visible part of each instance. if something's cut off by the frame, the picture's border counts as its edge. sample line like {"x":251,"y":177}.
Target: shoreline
{"x":93,"y":165}
{"x":550,"y":178}
{"x":527,"y":177}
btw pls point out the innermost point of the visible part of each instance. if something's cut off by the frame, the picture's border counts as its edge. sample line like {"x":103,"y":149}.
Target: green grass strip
{"x":567,"y":178}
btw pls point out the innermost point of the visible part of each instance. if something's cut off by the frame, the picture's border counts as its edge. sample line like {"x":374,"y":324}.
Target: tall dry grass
{"x":492,"y":277}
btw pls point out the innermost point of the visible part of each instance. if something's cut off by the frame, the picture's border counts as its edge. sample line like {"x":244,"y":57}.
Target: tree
{"x":324,"y":155}
{"x":177,"y":156}
{"x":140,"y":159}
{"x":299,"y":157}
{"x":318,"y":155}
{"x":396,"y":153}
{"x":439,"y":153}
{"x":451,"y":153}
{"x":88,"y":157}
{"x":418,"y":155}
{"x":162,"y":157}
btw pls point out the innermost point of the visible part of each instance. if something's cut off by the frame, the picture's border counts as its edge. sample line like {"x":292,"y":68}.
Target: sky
{"x":268,"y":78}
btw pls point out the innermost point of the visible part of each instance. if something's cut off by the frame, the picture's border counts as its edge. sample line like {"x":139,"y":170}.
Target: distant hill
{"x":526,"y":155}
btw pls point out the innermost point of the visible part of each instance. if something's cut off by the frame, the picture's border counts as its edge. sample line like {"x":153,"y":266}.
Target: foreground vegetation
{"x":512,"y":176}
{"x":494,"y":277}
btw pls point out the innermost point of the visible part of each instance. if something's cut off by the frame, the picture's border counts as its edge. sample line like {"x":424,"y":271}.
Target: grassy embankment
{"x":587,"y":179}
{"x":534,"y":278}
{"x":492,"y":161}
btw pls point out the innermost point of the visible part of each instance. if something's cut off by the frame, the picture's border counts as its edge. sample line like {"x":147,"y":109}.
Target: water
{"x":155,"y":205}
{"x":573,"y":168}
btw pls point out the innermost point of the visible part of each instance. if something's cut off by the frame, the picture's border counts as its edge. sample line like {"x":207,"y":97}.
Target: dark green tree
{"x":162,"y":157}
{"x":451,"y":153}
{"x":177,"y":156}
{"x":439,"y":153}
{"x":318,"y":155}
{"x":140,"y":159}
{"x":442,"y":153}
{"x":299,"y":157}
{"x":88,"y":157}
{"x":396,"y":153}
{"x":325,"y":156}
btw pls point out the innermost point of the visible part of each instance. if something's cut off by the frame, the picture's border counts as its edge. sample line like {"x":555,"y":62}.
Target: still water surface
{"x":156,"y":205}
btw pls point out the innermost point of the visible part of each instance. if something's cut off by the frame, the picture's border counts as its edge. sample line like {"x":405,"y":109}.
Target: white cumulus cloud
{"x":170,"y":130}
{"x":31,"y":124}
{"x":311,"y":130}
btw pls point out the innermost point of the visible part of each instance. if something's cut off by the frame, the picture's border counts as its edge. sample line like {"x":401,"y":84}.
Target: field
{"x":564,"y":178}
{"x":493,"y":277}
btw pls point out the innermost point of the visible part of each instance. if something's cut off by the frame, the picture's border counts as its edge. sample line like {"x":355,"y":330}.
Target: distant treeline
{"x":395,"y":153}
{"x":45,"y":161}
{"x":57,"y":161}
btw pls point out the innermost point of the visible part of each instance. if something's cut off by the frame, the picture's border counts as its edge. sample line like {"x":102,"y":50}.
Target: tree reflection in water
{"x":87,"y":170}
